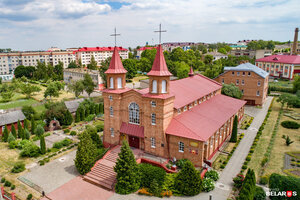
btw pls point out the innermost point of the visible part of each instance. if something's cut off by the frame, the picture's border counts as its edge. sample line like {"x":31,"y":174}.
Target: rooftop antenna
{"x":115,"y":35}
{"x":160,"y":31}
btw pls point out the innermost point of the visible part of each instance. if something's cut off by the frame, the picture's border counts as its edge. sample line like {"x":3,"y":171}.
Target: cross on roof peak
{"x":115,"y":34}
{"x":160,"y":31}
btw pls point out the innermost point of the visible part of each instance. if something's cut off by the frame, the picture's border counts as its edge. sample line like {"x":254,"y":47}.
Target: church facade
{"x":186,"y":118}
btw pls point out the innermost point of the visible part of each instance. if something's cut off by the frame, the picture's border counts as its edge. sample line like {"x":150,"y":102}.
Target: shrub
{"x":259,"y":193}
{"x":30,"y":150}
{"x":13,"y":144}
{"x":7,"y":183}
{"x":188,"y":181}
{"x":264,"y":180}
{"x":244,"y":167}
{"x":41,"y":162}
{"x":90,"y":117}
{"x":13,"y":187}
{"x":238,"y":181}
{"x":29,"y":197}
{"x":99,"y":127}
{"x":208,"y":184}
{"x":264,"y":161}
{"x":248,"y":158}
{"x":3,"y":180}
{"x":149,"y":173}
{"x":66,"y":130}
{"x":155,"y":189}
{"x":180,"y":163}
{"x":18,"y":167}
{"x":290,"y":124}
{"x":212,"y":174}
{"x":63,"y":143}
{"x":73,"y":133}
{"x":222,"y":166}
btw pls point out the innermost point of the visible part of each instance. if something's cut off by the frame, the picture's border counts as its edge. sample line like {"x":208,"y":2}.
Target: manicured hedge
{"x":281,"y":89}
{"x":290,"y":124}
{"x":150,"y":173}
{"x":284,"y":183}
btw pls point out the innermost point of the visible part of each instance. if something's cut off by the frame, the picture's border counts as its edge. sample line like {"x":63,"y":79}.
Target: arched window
{"x":134,"y":113}
{"x":164,"y":86}
{"x":154,"y":86}
{"x":119,"y":80}
{"x":111,"y":82}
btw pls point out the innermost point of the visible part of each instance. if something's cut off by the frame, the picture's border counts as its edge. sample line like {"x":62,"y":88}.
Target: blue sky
{"x":40,"y":24}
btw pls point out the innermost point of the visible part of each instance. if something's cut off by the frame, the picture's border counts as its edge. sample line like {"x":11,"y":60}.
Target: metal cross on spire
{"x":160,"y":31}
{"x":115,"y":35}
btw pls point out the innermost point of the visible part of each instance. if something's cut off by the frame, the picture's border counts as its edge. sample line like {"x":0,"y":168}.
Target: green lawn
{"x":17,"y":103}
{"x":282,"y":83}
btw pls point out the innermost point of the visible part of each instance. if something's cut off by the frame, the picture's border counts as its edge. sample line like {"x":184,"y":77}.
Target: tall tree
{"x":77,"y":87}
{"x":43,"y":144}
{"x":20,"y":130}
{"x":73,"y":64}
{"x":234,"y":130}
{"x":188,"y":181}
{"x":51,"y":91}
{"x":93,"y":64}
{"x":13,"y":131}
{"x":58,"y":71}
{"x":128,"y":180}
{"x":26,"y":134}
{"x":88,"y":83}
{"x":32,"y":126}
{"x":39,"y":131}
{"x":26,"y":124}
{"x":86,"y":154}
{"x":231,"y":90}
{"x":131,"y":66}
{"x":5,"y":134}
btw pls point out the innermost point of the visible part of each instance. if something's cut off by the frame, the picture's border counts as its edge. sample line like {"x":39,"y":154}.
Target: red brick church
{"x":186,"y":118}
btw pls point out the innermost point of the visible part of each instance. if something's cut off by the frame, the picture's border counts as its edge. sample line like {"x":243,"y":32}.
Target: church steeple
{"x":159,"y":76}
{"x":116,"y":73}
{"x":191,"y":73}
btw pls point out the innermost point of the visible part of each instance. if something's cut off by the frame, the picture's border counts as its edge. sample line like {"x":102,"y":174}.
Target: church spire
{"x":191,"y":73}
{"x":159,"y":67}
{"x":115,"y":66}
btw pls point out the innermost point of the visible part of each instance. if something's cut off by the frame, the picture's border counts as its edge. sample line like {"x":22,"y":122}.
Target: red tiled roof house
{"x":187,"y":118}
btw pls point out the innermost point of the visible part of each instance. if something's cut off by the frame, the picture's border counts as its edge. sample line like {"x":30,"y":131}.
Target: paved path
{"x":224,"y":185}
{"x":54,"y":174}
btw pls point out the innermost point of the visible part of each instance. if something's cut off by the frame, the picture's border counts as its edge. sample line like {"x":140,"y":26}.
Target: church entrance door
{"x":134,"y":141}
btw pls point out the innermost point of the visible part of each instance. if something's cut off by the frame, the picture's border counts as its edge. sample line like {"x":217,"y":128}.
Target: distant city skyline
{"x":41,"y":24}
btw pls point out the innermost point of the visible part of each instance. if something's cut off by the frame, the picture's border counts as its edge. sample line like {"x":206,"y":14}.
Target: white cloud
{"x":66,"y":23}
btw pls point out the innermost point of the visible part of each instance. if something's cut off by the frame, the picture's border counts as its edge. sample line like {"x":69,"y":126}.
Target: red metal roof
{"x":159,"y":67}
{"x":203,"y":120}
{"x":132,"y":129}
{"x":145,"y":48}
{"x":289,"y":59}
{"x":187,"y":90}
{"x":115,"y":66}
{"x":100,"y":49}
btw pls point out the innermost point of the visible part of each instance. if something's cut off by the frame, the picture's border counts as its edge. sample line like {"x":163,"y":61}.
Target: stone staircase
{"x":102,"y":174}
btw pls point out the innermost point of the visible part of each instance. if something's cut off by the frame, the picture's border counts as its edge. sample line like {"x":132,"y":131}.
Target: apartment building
{"x":280,"y":66}
{"x":173,"y":45}
{"x":9,"y":61}
{"x":100,"y":54}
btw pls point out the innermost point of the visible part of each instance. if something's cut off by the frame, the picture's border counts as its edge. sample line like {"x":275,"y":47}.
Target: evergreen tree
{"x":26,"y":124}
{"x":43,"y":144}
{"x":82,"y":113}
{"x":77,"y":115}
{"x":249,"y":185}
{"x":95,"y":136}
{"x":26,"y":134}
{"x":188,"y":181}
{"x":10,"y":138}
{"x":86,"y":154}
{"x":20,"y":129}
{"x":128,"y":179}
{"x":13,"y":131}
{"x":68,"y":119}
{"x":32,"y":125}
{"x":87,"y":111}
{"x":39,"y":131}
{"x":234,"y":130}
{"x":96,"y":109}
{"x":101,"y":108}
{"x":5,"y":134}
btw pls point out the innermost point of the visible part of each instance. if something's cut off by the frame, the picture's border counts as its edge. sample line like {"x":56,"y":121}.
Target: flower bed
{"x":246,"y":122}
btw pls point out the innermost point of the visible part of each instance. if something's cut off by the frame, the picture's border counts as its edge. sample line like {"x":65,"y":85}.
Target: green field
{"x":17,"y":103}
{"x":282,"y":83}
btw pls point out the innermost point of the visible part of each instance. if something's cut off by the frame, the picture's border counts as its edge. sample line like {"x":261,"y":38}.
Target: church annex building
{"x":186,"y":118}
